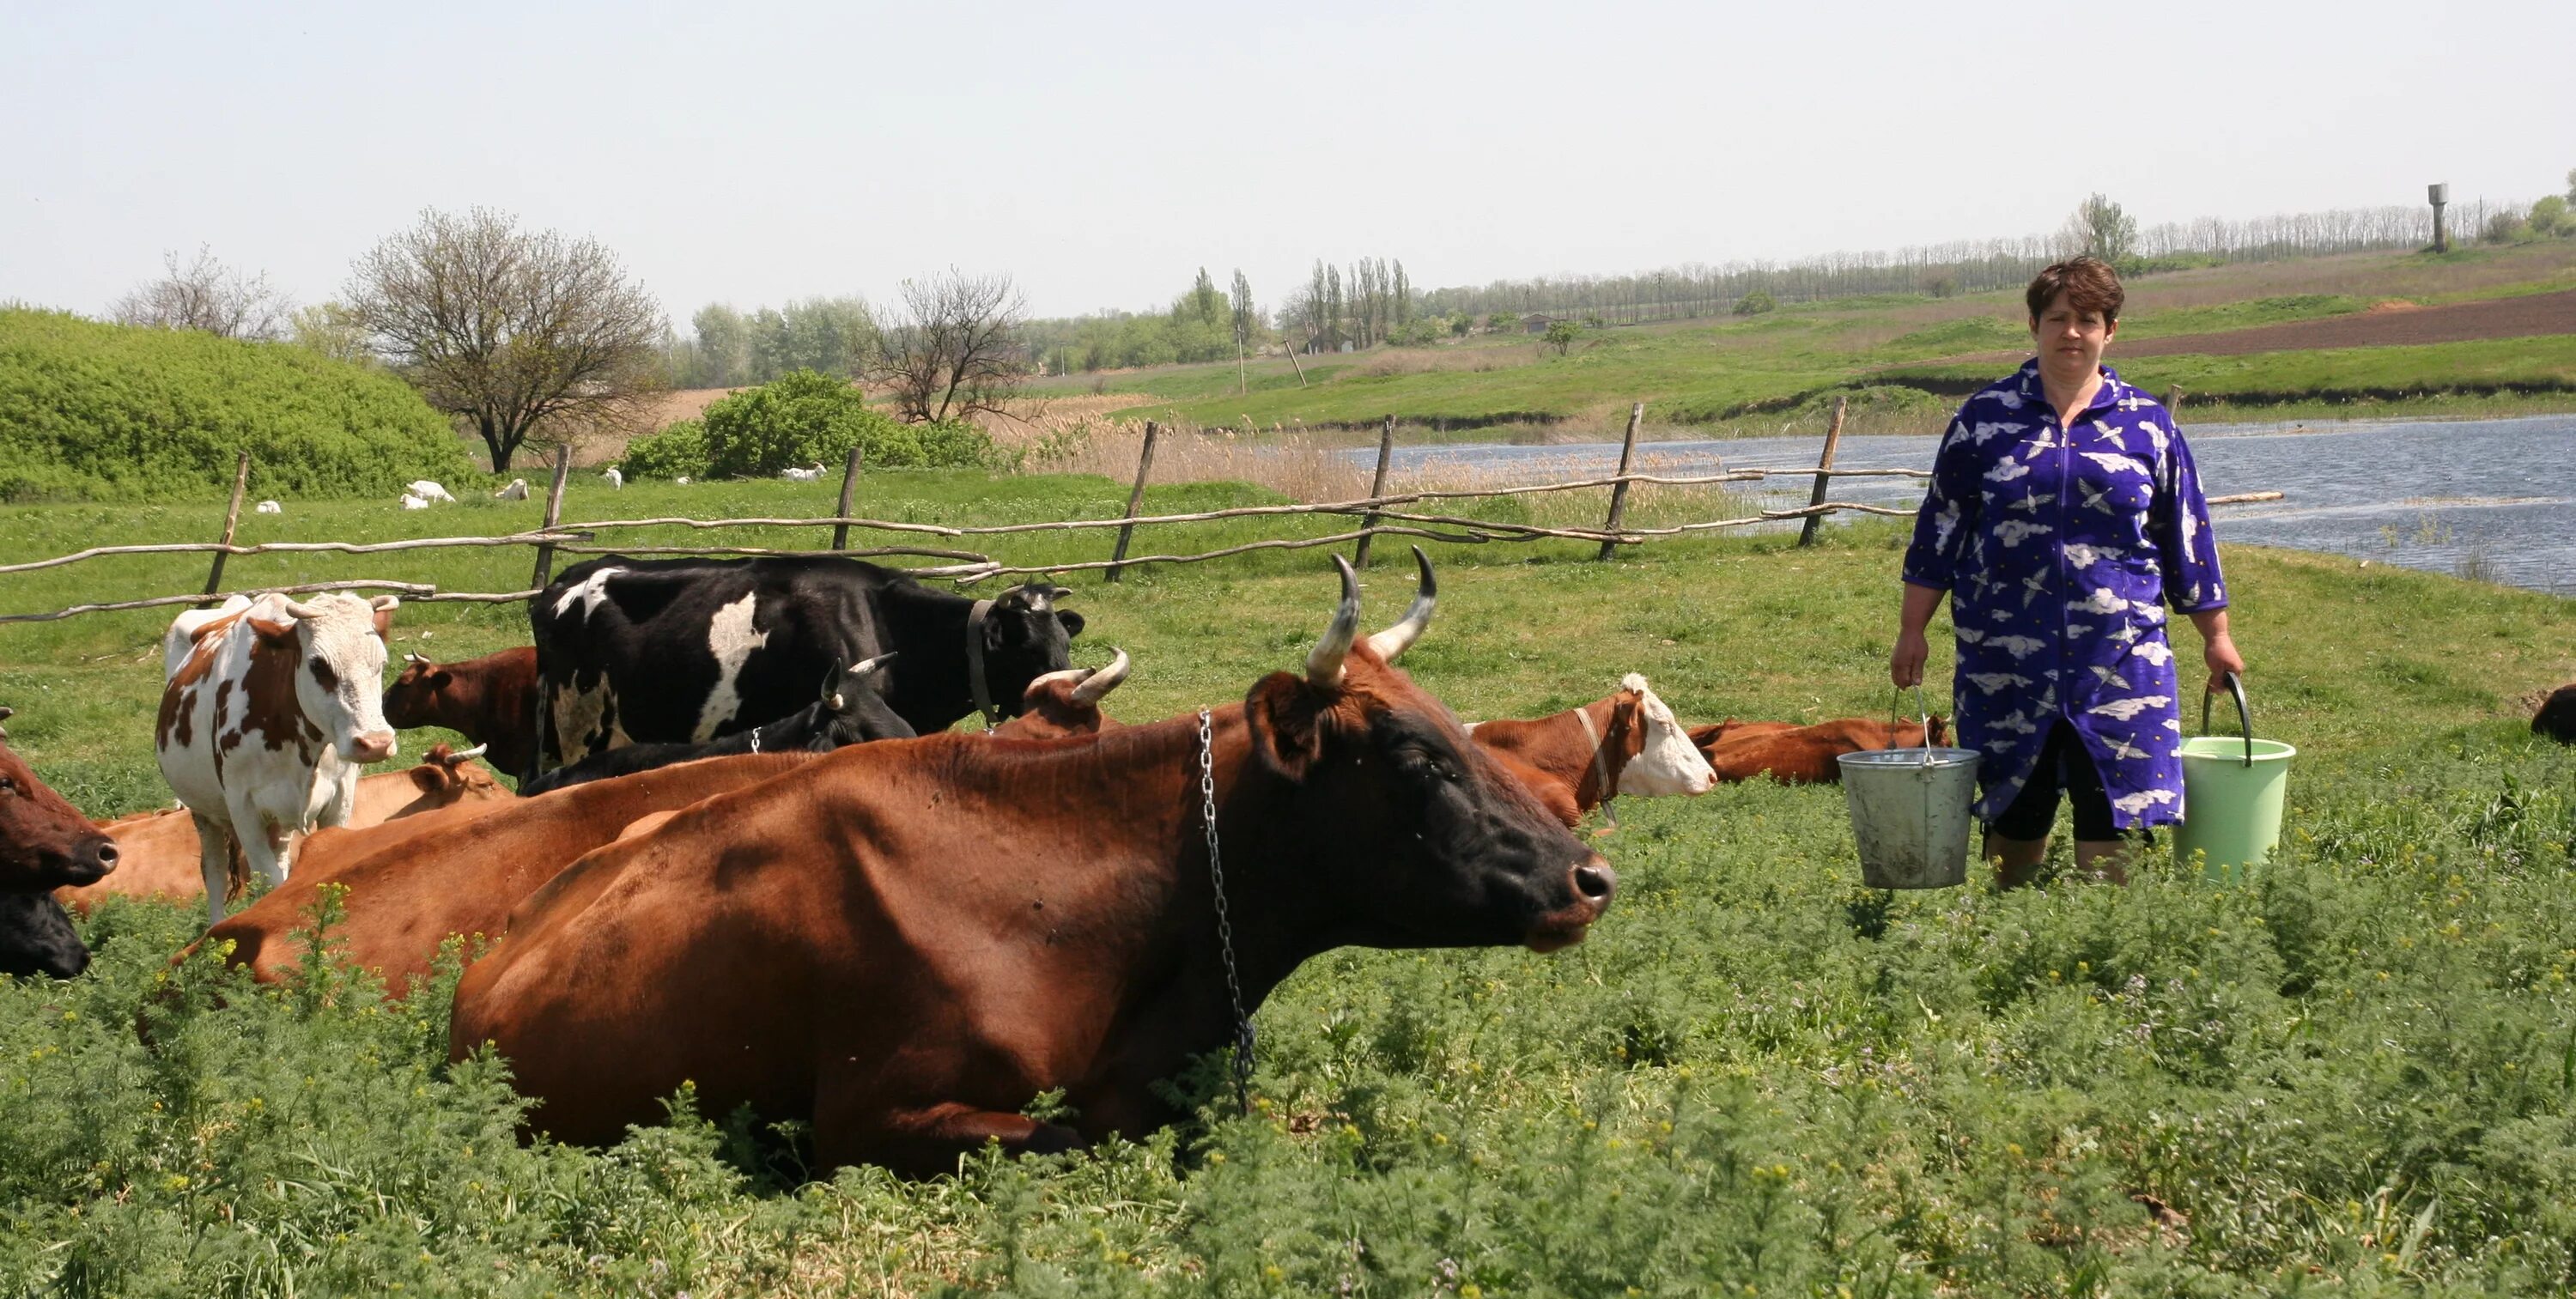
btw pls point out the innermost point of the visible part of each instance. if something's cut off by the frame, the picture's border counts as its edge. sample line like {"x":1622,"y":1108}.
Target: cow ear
{"x":430,"y":776}
{"x":439,"y":680}
{"x":1072,"y":622}
{"x":1287,"y":723}
{"x":275,"y":633}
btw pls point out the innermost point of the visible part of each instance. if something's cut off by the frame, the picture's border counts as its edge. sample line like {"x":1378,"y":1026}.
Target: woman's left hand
{"x":2219,"y":652}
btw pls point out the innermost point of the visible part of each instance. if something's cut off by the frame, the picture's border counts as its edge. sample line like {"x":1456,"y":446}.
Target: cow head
{"x":416,"y":697}
{"x":1067,"y":703}
{"x":339,"y":645}
{"x":853,"y":708}
{"x":1025,"y":637}
{"x":1415,"y":835}
{"x":45,"y":842}
{"x":36,"y":937}
{"x":447,"y":776}
{"x":1664,"y":760}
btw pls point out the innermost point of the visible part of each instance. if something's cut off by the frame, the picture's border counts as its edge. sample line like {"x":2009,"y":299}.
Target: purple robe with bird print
{"x":2060,"y":550}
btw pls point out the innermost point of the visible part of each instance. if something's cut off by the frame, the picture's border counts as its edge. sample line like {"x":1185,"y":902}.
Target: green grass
{"x":2359,"y":1073}
{"x":1734,"y":376}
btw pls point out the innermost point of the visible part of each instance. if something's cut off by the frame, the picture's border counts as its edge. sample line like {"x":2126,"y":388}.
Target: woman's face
{"x":2069,"y":341}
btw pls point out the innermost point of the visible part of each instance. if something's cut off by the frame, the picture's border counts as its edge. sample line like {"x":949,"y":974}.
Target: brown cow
{"x":1058,"y":704}
{"x":2557,"y":716}
{"x":490,"y":700}
{"x":906,"y":941}
{"x":459,"y":870}
{"x":160,"y":851}
{"x":45,"y":843}
{"x":1625,"y":744}
{"x":1804,"y":755}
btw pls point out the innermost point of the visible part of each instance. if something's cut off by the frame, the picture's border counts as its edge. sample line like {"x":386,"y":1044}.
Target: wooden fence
{"x":1378,"y":514}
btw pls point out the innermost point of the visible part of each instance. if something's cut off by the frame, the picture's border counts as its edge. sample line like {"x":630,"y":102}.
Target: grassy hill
{"x":116,"y":412}
{"x":1751,"y":374}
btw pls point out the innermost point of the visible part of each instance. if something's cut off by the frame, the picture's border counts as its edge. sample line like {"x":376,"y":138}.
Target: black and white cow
{"x":849,"y":712}
{"x":685,"y":650}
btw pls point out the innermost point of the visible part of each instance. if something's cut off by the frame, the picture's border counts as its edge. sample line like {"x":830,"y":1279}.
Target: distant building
{"x":1534,"y":323}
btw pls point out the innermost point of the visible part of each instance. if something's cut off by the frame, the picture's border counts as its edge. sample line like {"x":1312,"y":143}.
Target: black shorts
{"x":2064,"y":764}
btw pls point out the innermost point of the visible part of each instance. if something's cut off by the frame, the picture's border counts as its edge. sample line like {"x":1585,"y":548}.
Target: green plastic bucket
{"x":2231,"y":795}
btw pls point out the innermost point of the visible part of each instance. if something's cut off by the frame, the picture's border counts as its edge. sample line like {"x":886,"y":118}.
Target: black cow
{"x":36,"y":937}
{"x":850,"y":712}
{"x":2557,"y":716}
{"x":685,"y":650}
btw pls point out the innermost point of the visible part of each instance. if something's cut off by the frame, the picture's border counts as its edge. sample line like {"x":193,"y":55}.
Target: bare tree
{"x":206,"y":294}
{"x":509,"y":329}
{"x":949,"y":351}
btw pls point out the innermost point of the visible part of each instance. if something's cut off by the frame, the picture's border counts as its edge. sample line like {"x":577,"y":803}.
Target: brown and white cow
{"x":460,"y":869}
{"x":906,"y":941}
{"x":1804,"y":755}
{"x":159,"y":854}
{"x":45,"y":843}
{"x":1628,"y":743}
{"x":268,"y":710}
{"x":491,"y":701}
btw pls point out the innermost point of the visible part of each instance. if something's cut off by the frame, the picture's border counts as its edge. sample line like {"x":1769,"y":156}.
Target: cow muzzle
{"x":374,"y":746}
{"x":1591,"y":884}
{"x":92,"y":861}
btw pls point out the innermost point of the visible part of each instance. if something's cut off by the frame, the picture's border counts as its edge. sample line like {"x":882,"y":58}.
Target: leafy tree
{"x":508,"y":329}
{"x":206,"y":295}
{"x":331,"y":329}
{"x":1561,"y":335}
{"x":1203,"y":303}
{"x":2571,"y":184}
{"x":1755,"y":303}
{"x":2505,"y":228}
{"x":2549,"y":217}
{"x":1462,"y":324}
{"x":1502,"y":320}
{"x":2099,"y":228}
{"x":724,"y":347}
{"x":1247,"y":317}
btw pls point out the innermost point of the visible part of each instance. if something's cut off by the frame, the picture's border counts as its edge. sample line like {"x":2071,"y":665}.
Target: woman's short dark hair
{"x":2089,"y":284}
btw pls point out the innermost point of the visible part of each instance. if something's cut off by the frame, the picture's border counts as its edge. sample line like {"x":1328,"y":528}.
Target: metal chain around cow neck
{"x":983,"y":694}
{"x":1224,"y":926}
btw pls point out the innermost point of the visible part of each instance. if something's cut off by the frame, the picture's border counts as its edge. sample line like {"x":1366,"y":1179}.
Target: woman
{"x":2063,"y":516}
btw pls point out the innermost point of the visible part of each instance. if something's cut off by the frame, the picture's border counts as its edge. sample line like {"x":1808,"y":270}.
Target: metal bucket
{"x":1910,"y":811}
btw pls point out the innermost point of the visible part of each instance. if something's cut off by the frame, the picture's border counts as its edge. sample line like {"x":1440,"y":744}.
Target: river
{"x":2493,"y":499}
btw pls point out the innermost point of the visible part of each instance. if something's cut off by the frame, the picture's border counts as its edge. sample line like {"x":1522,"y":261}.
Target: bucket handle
{"x":2244,"y":716}
{"x":1923,"y":713}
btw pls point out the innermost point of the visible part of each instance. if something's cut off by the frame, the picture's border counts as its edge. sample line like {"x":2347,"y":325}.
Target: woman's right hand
{"x":1905,"y":662}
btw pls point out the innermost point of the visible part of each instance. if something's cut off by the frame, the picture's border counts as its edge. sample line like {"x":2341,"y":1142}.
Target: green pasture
{"x":2357,"y":1075}
{"x":1747,"y":375}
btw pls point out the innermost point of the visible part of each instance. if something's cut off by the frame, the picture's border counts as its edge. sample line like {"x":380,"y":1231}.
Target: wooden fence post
{"x":232,"y":519}
{"x":1135,"y":500}
{"x":1833,"y":434}
{"x":1619,"y":490}
{"x":554,"y":514}
{"x":849,"y":483}
{"x":1301,"y":366}
{"x":1377,"y":488}
{"x":2173,"y":400}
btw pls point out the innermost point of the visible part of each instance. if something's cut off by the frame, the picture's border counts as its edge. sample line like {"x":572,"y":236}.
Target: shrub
{"x":1561,"y":335}
{"x":678,"y":451}
{"x":1755,"y":303}
{"x":805,"y":418}
{"x":99,"y":412}
{"x":2504,"y":228}
{"x":2549,"y":217}
{"x":1503,"y":320}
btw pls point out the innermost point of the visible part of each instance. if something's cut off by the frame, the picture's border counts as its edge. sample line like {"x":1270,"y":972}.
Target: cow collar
{"x":983,"y":694}
{"x":1601,"y":774}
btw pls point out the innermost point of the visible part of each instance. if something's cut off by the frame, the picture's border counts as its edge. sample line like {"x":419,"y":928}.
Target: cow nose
{"x":1595,"y":881}
{"x":104,"y":855}
{"x":374,"y":747}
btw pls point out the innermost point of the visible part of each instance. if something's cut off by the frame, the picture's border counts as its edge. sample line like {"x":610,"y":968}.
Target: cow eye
{"x":7,"y":785}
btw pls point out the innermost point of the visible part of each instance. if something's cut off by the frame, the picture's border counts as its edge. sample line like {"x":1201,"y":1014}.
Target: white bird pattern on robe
{"x":2061,"y":548}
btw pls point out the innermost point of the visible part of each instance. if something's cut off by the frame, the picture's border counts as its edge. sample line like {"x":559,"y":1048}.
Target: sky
{"x":1101,"y":153}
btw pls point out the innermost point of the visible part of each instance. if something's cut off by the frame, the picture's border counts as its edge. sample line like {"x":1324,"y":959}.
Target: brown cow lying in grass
{"x":1627,"y":743}
{"x":1803,"y":755}
{"x":160,"y":853}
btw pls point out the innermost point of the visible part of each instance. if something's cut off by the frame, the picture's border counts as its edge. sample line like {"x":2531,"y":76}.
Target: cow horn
{"x":1324,"y":662}
{"x":1400,"y":637}
{"x":1060,"y":592}
{"x":301,"y":611}
{"x":5,"y":715}
{"x":469,"y":754}
{"x":1088,"y":694}
{"x":415,"y":656}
